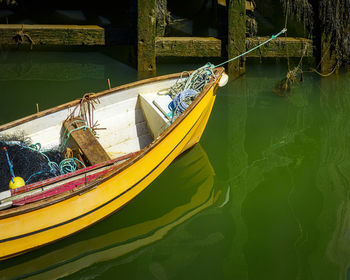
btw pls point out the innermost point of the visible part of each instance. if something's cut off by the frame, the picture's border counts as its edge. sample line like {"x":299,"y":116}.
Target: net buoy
{"x":223,"y":80}
{"x":16,"y":182}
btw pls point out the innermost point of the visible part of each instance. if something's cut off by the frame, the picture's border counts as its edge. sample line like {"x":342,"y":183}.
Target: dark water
{"x":265,"y":195}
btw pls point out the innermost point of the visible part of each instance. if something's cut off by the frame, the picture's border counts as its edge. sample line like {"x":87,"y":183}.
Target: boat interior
{"x":126,"y":121}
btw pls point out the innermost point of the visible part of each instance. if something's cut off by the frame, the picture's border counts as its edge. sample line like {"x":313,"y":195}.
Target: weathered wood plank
{"x":146,"y":34}
{"x":236,"y":36}
{"x":86,"y":142}
{"x":211,"y":47}
{"x":12,"y":34}
{"x":188,"y":46}
{"x":280,"y":47}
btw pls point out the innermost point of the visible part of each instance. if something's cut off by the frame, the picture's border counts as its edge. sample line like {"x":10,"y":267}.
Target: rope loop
{"x":69,"y":165}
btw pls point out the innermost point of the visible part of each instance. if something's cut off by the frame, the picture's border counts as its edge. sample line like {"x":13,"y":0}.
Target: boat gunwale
{"x":89,"y":186}
{"x":93,"y":96}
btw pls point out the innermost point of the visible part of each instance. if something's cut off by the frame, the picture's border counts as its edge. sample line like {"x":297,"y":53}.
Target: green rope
{"x":273,"y":37}
{"x":69,"y":165}
{"x":66,"y":136}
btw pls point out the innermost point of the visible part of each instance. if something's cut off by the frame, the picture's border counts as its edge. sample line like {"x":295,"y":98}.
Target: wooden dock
{"x":151,"y":46}
{"x":151,"y":43}
{"x":33,"y":34}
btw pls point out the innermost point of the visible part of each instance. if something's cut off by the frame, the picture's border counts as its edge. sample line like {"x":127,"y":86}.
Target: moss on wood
{"x":236,"y":36}
{"x":188,"y":46}
{"x":281,"y":47}
{"x":12,"y":34}
{"x":146,"y":36}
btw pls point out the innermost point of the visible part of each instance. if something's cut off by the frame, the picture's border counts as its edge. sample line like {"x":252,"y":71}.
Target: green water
{"x":265,"y":195}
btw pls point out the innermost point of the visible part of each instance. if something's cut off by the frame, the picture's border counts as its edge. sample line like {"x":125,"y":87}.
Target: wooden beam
{"x":86,"y":141}
{"x":188,"y":46}
{"x":236,"y":36}
{"x":211,"y":47}
{"x":146,"y":34}
{"x":280,"y":47}
{"x":32,"y":34}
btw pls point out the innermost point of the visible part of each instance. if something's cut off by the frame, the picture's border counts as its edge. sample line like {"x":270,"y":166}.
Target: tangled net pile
{"x":28,"y":161}
{"x":185,"y":90}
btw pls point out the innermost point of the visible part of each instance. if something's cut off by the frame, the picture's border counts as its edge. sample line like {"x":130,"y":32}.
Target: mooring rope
{"x":273,"y":37}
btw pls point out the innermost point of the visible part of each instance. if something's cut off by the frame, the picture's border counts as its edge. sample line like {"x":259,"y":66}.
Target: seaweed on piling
{"x":333,"y":18}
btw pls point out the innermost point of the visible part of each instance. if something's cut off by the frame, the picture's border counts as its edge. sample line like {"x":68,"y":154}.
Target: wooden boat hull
{"x":197,"y":175}
{"x":64,"y":215}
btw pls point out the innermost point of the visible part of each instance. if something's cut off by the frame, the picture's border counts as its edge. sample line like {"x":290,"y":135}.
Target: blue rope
{"x":10,"y":164}
{"x":30,"y":177}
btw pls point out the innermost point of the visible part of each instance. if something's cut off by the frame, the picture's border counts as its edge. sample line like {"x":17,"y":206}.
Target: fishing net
{"x":28,"y":161}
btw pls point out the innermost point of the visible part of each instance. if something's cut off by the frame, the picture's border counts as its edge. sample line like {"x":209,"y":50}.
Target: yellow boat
{"x":137,"y":143}
{"x":194,"y":194}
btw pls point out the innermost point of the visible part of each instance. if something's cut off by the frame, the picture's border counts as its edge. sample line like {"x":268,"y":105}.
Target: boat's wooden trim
{"x":6,"y":213}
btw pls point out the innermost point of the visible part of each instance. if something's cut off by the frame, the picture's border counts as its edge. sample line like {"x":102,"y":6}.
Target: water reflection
{"x":175,"y":197}
{"x":50,"y":67}
{"x":333,"y":179}
{"x":271,"y":156}
{"x":52,"y":78}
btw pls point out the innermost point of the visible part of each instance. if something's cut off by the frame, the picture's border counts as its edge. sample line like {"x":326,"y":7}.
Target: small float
{"x":118,"y":142}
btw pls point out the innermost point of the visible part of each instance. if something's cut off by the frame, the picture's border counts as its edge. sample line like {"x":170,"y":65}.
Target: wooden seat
{"x":86,"y":141}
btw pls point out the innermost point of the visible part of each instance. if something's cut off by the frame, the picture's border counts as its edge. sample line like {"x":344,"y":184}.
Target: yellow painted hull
{"x":24,"y":232}
{"x":71,"y":257}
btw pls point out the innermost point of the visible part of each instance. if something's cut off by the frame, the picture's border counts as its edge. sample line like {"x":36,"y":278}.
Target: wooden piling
{"x":328,"y":56}
{"x":236,"y":36}
{"x":146,"y":34}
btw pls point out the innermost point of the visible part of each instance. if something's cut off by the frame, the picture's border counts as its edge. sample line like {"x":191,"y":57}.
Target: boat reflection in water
{"x":182,"y":191}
